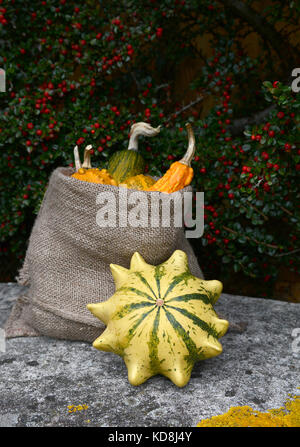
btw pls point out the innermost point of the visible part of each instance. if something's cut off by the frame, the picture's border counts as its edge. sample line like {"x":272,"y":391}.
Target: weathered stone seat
{"x":40,"y":377}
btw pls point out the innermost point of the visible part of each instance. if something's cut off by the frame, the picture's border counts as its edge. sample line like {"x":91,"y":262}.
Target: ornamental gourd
{"x":86,"y":173}
{"x":160,"y":319}
{"x":141,"y":182}
{"x":128,"y":162}
{"x":180,"y":173}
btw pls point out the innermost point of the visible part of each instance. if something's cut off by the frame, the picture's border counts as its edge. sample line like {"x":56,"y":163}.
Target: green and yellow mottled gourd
{"x":86,"y":173}
{"x":128,"y":162}
{"x":160,"y":319}
{"x":141,"y":182}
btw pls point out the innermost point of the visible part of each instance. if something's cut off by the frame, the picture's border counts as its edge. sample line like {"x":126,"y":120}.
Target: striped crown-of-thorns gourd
{"x":129,"y":162}
{"x":87,"y":173}
{"x":180,"y":174}
{"x":160,"y":319}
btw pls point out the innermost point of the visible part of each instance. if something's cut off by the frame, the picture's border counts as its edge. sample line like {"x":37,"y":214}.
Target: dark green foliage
{"x":83,"y":73}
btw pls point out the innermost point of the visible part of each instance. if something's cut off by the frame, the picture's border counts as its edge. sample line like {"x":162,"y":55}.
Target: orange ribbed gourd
{"x":86,"y":173}
{"x":180,"y":173}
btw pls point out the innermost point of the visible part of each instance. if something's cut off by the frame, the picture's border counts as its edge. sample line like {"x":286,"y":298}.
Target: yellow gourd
{"x":160,"y":319}
{"x":140,"y":182}
{"x":180,"y":173}
{"x":86,"y":173}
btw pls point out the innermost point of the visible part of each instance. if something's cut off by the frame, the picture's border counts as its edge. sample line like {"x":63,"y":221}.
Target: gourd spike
{"x":221,"y":326}
{"x":215,"y":289}
{"x":100,"y":310}
{"x":137,"y":373}
{"x":87,"y":157}
{"x":179,"y":376}
{"x":179,"y":261}
{"x":213,"y":348}
{"x":106,"y":342}
{"x":189,"y":155}
{"x":77,"y":158}
{"x":137,"y":262}
{"x":120,"y":274}
{"x":141,"y":129}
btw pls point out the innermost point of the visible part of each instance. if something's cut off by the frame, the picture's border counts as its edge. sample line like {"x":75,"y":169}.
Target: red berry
{"x":159,"y":32}
{"x":280,"y":115}
{"x":271,"y":133}
{"x":287,"y":147}
{"x":246,"y":169}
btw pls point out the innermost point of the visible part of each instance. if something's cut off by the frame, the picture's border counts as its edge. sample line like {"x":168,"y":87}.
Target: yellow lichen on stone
{"x":74,"y":408}
{"x":287,"y":416}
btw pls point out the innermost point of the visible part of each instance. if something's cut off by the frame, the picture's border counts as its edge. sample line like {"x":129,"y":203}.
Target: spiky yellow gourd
{"x":160,"y":319}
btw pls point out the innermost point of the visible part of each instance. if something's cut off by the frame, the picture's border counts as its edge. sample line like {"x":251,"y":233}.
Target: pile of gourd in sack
{"x":126,"y":168}
{"x":161,"y":319}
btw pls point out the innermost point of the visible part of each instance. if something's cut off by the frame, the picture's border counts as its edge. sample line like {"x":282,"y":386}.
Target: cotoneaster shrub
{"x":82,"y":73}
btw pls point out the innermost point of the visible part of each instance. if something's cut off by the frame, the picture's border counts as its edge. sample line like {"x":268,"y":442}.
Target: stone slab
{"x":259,"y":366}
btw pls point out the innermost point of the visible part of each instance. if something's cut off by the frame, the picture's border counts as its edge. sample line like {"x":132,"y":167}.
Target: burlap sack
{"x":68,"y":257}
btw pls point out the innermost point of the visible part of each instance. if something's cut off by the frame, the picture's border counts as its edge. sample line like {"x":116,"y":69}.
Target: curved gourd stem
{"x":189,"y":155}
{"x":87,"y":157}
{"x":77,"y":158}
{"x":141,"y":129}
